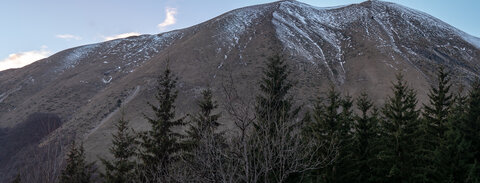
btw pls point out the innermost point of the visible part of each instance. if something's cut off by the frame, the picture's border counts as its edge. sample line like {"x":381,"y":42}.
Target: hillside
{"x":358,"y":47}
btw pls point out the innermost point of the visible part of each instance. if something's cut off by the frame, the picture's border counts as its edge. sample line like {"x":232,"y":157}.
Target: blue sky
{"x":33,"y":29}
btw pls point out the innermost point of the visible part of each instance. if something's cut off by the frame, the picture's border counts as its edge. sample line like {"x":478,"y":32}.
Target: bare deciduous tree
{"x":267,"y":144}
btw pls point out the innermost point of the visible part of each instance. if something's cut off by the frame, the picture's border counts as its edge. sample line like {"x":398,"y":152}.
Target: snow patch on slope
{"x":107,"y":80}
{"x":311,"y":33}
{"x":425,"y":19}
{"x":317,"y":33}
{"x":121,"y":54}
{"x":475,"y":41}
{"x":134,"y":51}
{"x":413,"y":25}
{"x":235,"y":23}
{"x":75,"y":56}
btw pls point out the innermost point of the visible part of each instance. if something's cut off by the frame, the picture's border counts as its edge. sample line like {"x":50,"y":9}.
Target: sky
{"x":32,"y":29}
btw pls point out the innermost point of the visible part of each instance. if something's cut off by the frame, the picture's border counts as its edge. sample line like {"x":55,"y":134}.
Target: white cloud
{"x":169,"y":19}
{"x":68,"y":36}
{"x":124,"y":35}
{"x":17,"y":60}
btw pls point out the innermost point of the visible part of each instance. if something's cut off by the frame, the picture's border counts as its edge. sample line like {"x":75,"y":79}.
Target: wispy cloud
{"x":169,"y":19}
{"x":68,"y":37}
{"x":17,"y":60}
{"x":118,"y":36}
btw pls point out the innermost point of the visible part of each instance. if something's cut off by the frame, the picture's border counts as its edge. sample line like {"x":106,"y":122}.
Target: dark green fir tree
{"x":345,"y":162}
{"x":364,"y":140}
{"x":77,"y":170}
{"x":325,"y":129}
{"x":437,"y":111}
{"x":432,"y":130}
{"x":274,"y":105}
{"x":399,"y":126}
{"x":204,"y":123}
{"x":276,"y":131}
{"x":471,"y":129}
{"x":453,"y":151}
{"x":160,"y":145}
{"x":121,"y":168}
{"x":205,"y":142}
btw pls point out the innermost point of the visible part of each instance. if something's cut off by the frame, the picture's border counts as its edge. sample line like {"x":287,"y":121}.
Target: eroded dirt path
{"x":109,"y":116}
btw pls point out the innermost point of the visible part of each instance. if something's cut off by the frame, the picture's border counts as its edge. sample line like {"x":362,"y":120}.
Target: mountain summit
{"x":78,"y":92}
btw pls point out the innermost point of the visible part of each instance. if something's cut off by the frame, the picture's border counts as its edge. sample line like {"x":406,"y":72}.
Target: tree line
{"x":341,"y":139}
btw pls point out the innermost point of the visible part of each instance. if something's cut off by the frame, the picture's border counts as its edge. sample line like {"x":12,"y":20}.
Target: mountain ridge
{"x":473,"y":40}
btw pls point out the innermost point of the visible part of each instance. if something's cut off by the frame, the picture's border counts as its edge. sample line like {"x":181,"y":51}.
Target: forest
{"x":274,"y":139}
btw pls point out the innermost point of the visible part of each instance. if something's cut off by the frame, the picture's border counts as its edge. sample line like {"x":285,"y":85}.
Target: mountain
{"x":77,"y":93}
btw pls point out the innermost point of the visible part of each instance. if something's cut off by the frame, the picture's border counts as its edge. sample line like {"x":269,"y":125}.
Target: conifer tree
{"x":471,"y":129}
{"x":365,"y":139}
{"x":401,"y":121}
{"x":426,"y":146}
{"x":121,"y":168}
{"x":205,"y":142}
{"x":160,"y":145}
{"x":77,"y":170}
{"x":273,"y":104}
{"x":346,"y":117}
{"x":453,"y":150}
{"x":432,"y":130}
{"x":204,"y":123}
{"x":472,"y":121}
{"x":345,"y":162}
{"x":325,"y":129}
{"x":437,"y":111}
{"x":277,"y":148}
